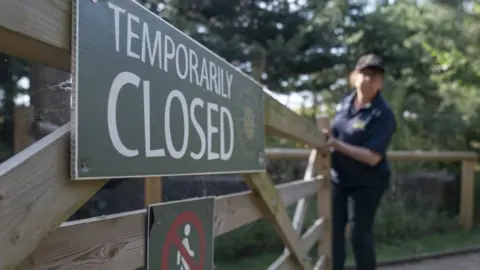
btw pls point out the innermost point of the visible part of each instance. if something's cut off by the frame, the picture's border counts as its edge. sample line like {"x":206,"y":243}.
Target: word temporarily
{"x":165,"y":53}
{"x":189,"y":116}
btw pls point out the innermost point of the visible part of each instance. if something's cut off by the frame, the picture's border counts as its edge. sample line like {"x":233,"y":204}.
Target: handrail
{"x":404,"y":155}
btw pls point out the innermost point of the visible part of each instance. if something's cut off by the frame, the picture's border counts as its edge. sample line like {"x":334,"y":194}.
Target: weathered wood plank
{"x":309,"y":238}
{"x":320,"y":264}
{"x":324,"y":202}
{"x":301,"y":209}
{"x":153,"y":190}
{"x":274,"y":210}
{"x":118,"y":240}
{"x":283,"y":122}
{"x":314,"y":234}
{"x":38,"y":31}
{"x":293,"y":154}
{"x":36,"y":195}
{"x":234,"y":211}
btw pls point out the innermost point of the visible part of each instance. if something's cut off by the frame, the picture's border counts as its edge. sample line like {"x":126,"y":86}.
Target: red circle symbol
{"x":173,"y":239}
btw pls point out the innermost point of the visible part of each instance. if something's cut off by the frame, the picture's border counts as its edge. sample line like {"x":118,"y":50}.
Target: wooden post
{"x":23,"y":118}
{"x":324,"y":205}
{"x":467,"y":194}
{"x":153,"y":190}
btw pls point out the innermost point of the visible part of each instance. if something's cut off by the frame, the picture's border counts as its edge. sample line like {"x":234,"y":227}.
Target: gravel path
{"x":460,"y":262}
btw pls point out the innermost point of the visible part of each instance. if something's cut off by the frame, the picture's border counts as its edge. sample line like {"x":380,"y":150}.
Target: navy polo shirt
{"x":371,"y":127}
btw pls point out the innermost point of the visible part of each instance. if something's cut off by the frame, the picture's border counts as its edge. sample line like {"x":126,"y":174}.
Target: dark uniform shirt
{"x":371,"y":127}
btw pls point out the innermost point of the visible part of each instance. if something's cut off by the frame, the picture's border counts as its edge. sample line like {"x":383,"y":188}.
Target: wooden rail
{"x":117,"y":241}
{"x":467,"y":159}
{"x":36,"y":195}
{"x":412,"y":155}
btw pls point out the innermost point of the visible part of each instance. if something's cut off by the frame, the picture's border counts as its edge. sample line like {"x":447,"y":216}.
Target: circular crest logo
{"x":248,"y":127}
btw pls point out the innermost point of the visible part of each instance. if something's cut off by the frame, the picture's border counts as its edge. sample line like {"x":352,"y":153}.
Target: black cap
{"x":370,"y":61}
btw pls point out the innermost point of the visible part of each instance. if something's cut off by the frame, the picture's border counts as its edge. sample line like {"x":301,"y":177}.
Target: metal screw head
{"x":158,"y":222}
{"x":261,"y":159}
{"x":84,"y":166}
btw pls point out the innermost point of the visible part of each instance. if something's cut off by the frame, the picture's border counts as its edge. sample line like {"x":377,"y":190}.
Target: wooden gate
{"x":37,"y":196}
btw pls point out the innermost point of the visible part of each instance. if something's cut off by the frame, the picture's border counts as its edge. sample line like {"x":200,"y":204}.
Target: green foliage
{"x":296,"y":39}
{"x":399,"y":220}
{"x":247,"y":241}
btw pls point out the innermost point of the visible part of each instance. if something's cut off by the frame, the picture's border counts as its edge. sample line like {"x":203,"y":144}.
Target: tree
{"x":297,"y":39}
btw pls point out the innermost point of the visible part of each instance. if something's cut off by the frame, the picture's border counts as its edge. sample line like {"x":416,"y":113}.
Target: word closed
{"x":189,"y":112}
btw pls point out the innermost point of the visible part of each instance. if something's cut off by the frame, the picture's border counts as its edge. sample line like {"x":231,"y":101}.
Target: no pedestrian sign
{"x":180,"y":235}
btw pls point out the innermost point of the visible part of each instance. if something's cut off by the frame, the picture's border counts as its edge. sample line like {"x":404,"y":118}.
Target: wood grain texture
{"x":324,"y":202}
{"x":234,"y":211}
{"x":117,"y":241}
{"x":38,"y":31}
{"x":36,"y":195}
{"x":153,"y":190}
{"x":283,"y":122}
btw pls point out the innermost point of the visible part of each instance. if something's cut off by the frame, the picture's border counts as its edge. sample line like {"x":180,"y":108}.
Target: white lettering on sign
{"x":222,"y":131}
{"x":168,"y":106}
{"x":160,"y":50}
{"x":122,"y":79}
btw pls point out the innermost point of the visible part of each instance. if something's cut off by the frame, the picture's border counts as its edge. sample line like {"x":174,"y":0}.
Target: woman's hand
{"x":356,"y":152}
{"x":331,"y":141}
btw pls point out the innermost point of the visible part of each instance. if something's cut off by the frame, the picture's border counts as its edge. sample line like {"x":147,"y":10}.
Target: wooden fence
{"x":468,"y":161}
{"x":37,"y":196}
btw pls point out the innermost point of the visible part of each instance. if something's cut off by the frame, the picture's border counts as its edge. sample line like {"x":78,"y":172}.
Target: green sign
{"x":150,"y":101}
{"x":180,"y":235}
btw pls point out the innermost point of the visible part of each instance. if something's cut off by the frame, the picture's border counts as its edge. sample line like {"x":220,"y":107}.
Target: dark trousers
{"x":365,"y":204}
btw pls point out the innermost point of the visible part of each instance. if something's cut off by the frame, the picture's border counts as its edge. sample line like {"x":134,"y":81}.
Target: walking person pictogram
{"x":186,"y":243}
{"x":184,"y":238}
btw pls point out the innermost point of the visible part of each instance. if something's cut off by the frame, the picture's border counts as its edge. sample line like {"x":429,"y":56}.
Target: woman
{"x":360,"y":134}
